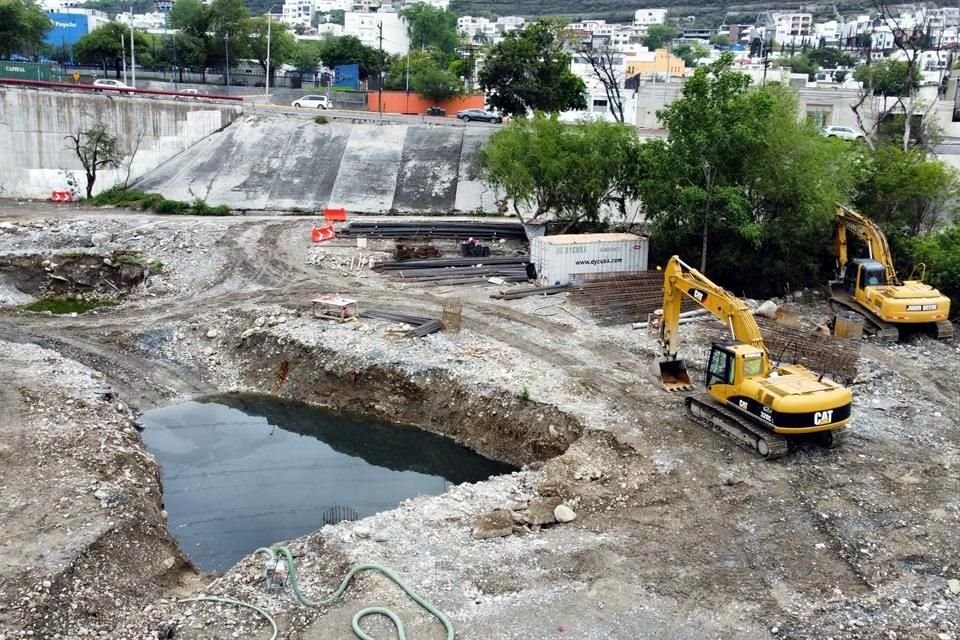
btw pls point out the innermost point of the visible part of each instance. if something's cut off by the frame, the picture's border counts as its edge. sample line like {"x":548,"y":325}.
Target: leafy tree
{"x":571,"y":172}
{"x":529,"y":70}
{"x":888,"y":77}
{"x":840,"y":75}
{"x":192,"y":18}
{"x":429,"y":26}
{"x":96,"y":149}
{"x":283,"y":46}
{"x":105,"y":46}
{"x":306,"y":55}
{"x":22,"y":27}
{"x":407,"y":67}
{"x":659,"y":35}
{"x":691,"y":53}
{"x":230,"y":24}
{"x":336,"y":51}
{"x":435,"y":83}
{"x":337,"y":16}
{"x":940,"y":252}
{"x":720,"y":40}
{"x":802,"y":63}
{"x":831,"y":58}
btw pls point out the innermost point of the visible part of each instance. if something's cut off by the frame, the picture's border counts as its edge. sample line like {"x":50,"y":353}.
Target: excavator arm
{"x":866,"y":230}
{"x":680,"y":279}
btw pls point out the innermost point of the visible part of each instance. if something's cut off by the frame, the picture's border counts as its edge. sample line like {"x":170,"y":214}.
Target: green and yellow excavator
{"x":759,"y":404}
{"x":870,"y":286}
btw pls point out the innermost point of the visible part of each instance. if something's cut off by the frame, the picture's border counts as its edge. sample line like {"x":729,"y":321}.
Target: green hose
{"x":360,"y":615}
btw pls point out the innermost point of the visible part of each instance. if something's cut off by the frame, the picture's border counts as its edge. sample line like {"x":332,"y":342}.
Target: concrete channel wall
{"x":289,"y":162}
{"x":35,"y":157}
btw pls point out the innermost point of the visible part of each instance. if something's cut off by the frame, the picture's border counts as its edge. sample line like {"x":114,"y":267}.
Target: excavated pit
{"x":245,"y":471}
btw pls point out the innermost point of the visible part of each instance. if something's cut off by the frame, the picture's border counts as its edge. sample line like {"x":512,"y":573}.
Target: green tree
{"x":658,"y":35}
{"x":720,"y":40}
{"x":840,"y":75}
{"x":435,"y":83}
{"x":229,"y":22}
{"x":546,"y":167}
{"x":22,"y":27}
{"x":940,"y":252}
{"x":831,"y":58}
{"x":337,"y":16}
{"x":801,"y":63}
{"x":691,"y":53}
{"x":105,"y":46}
{"x":407,"y":67}
{"x":306,"y":55}
{"x":96,"y":149}
{"x":429,"y":26}
{"x":283,"y":46}
{"x":335,"y":51}
{"x":529,"y":70}
{"x":888,"y":77}
{"x":192,"y":19}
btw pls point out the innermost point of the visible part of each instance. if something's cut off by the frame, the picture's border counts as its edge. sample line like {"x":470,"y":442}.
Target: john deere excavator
{"x":870,"y":286}
{"x":758,"y":404}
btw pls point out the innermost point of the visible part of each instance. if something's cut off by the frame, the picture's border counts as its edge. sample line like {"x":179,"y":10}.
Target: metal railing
{"x":89,"y":88}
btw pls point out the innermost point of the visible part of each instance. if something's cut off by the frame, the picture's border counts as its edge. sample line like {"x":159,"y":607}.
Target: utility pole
{"x":123,"y":55}
{"x":226,"y":48}
{"x":133,"y":53}
{"x":266,"y":90}
{"x":380,"y":71}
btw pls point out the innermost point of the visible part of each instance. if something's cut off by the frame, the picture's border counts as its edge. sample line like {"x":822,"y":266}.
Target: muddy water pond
{"x":244,"y":471}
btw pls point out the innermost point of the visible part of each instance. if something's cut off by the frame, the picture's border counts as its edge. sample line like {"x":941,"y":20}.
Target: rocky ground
{"x":677,"y":534}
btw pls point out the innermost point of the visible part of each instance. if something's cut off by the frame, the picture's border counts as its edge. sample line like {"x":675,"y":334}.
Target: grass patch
{"x":133,"y":199}
{"x":321,"y":120}
{"x":64,"y":305}
{"x":155,"y":267}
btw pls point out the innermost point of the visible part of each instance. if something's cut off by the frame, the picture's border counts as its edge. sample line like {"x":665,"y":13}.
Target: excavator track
{"x":767,"y":444}
{"x":884,"y":330}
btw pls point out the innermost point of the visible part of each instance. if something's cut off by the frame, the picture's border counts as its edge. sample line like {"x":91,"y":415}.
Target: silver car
{"x":845,"y":133}
{"x":479,"y":114}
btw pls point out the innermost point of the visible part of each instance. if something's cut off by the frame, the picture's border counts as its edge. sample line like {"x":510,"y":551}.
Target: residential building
{"x":326,"y":6}
{"x":298,"y":12}
{"x":829,"y":33}
{"x":788,"y":29}
{"x":646,"y":17}
{"x":70,"y":23}
{"x":598,"y":102}
{"x":487,"y":30}
{"x":146,"y":21}
{"x":660,"y":63}
{"x":366,"y":27}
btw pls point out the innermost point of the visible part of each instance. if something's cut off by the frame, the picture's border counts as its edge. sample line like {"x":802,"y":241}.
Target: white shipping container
{"x":559,"y":258}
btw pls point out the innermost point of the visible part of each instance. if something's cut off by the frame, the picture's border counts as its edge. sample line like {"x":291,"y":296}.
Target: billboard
{"x":24,"y":70}
{"x":67,"y":29}
{"x":347,"y":75}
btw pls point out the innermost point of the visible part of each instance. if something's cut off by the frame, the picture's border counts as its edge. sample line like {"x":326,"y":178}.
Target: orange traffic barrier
{"x":335,"y":215}
{"x":61,"y":195}
{"x":319,"y":234}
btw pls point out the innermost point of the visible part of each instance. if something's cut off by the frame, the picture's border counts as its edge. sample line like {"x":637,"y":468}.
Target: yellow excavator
{"x":759,"y":404}
{"x":870,"y":286}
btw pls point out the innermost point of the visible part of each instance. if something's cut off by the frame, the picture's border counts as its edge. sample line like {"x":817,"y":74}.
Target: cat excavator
{"x":870,"y":286}
{"x":759,"y":404}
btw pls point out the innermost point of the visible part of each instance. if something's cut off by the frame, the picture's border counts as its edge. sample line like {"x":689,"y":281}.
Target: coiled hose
{"x":360,"y":615}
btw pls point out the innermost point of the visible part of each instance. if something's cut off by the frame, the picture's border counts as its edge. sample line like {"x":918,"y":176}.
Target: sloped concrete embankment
{"x":287,"y":162}
{"x":34,"y":126}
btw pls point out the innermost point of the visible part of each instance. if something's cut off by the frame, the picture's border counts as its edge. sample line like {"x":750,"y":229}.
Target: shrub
{"x":156,"y":267}
{"x":118,"y":196}
{"x":321,"y":120}
{"x":171,"y":206}
{"x":940,"y":251}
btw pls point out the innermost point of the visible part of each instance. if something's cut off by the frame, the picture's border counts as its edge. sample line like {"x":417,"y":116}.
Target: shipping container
{"x":24,"y":70}
{"x":559,"y":258}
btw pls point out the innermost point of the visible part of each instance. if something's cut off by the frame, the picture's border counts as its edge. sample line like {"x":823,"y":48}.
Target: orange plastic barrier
{"x":319,"y":234}
{"x":335,"y":215}
{"x":61,"y":195}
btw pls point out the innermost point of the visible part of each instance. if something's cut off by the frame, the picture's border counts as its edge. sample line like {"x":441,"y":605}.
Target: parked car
{"x":312,"y":102}
{"x":479,"y":114}
{"x":845,"y":133}
{"x":188,"y":94}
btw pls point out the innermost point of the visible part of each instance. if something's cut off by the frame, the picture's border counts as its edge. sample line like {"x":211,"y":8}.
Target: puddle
{"x":243,"y":471}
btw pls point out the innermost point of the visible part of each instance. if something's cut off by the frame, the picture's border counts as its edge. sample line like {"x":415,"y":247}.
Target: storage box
{"x":559,"y":258}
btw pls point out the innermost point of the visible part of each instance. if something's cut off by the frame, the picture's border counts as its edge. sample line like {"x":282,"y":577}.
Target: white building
{"x":829,"y":32}
{"x":366,"y":27}
{"x":298,"y":12}
{"x":145,"y":21}
{"x":443,"y":5}
{"x":789,"y":29}
{"x":646,"y":17}
{"x":491,"y":31}
{"x":598,"y":104}
{"x":326,"y":6}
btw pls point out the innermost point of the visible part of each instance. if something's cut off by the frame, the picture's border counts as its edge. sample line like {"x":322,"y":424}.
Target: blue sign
{"x":347,"y":75}
{"x":67,"y":28}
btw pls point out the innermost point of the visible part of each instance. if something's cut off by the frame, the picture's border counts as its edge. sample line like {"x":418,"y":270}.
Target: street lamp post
{"x":266,"y":87}
{"x":226,"y":48}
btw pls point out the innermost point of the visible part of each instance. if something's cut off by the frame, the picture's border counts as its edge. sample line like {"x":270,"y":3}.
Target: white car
{"x":845,"y":133}
{"x":312,"y":102}
{"x":114,"y":84}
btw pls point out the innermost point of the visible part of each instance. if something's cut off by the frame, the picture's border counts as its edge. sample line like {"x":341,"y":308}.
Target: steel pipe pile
{"x":453,"y":230}
{"x":457,"y":270}
{"x":421,"y":326}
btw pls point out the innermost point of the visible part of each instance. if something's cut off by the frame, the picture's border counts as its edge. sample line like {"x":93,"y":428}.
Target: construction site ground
{"x":678,"y":533}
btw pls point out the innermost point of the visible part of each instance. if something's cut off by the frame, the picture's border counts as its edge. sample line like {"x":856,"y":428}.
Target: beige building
{"x":661,"y":63}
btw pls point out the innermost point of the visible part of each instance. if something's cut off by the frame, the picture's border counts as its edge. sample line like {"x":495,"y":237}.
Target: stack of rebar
{"x":785,"y":344}
{"x":421,"y":326}
{"x":458,"y":270}
{"x":451,"y":230}
{"x":620,"y":298}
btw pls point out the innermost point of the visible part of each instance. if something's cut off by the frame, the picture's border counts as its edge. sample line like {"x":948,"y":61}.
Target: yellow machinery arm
{"x":681,"y":279}
{"x":866,"y":230}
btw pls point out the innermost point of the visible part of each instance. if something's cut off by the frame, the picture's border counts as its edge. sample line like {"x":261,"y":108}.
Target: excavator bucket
{"x":674,"y":376}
